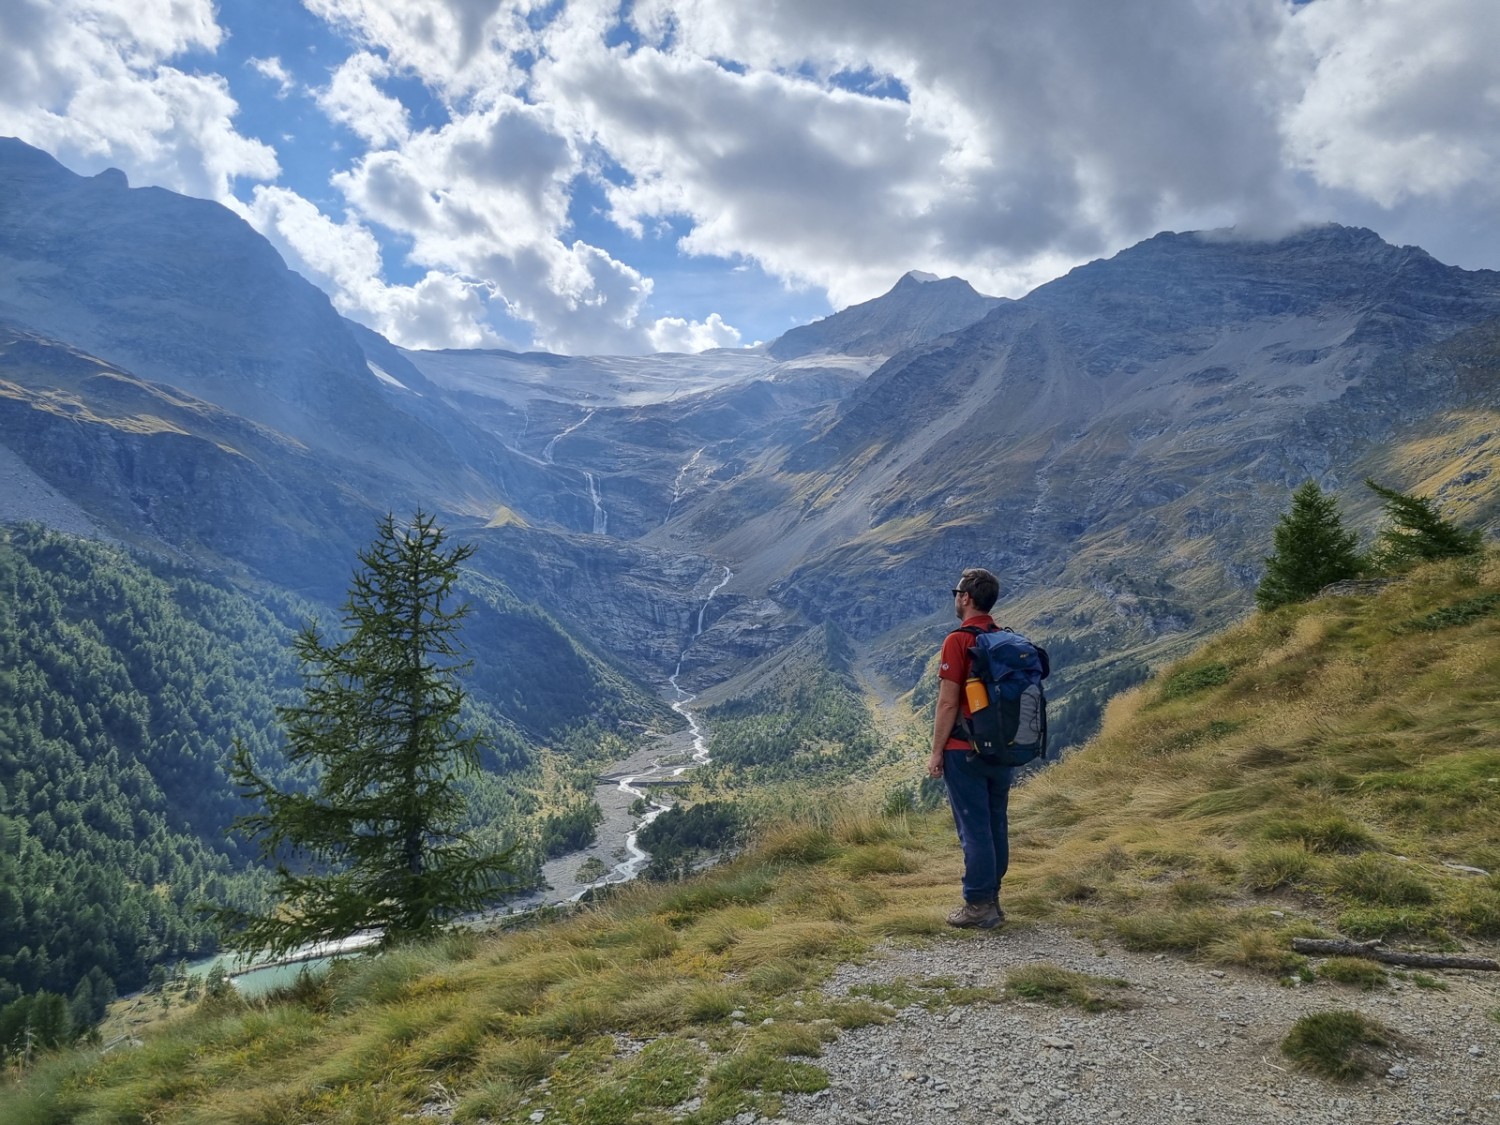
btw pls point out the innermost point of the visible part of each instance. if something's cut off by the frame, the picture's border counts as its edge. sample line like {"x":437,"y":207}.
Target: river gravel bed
{"x":1196,"y":1045}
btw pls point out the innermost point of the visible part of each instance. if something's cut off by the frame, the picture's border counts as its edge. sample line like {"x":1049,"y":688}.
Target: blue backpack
{"x":1012,"y":730}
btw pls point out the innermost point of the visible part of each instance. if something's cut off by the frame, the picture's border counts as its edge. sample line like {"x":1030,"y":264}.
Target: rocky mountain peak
{"x":918,"y":308}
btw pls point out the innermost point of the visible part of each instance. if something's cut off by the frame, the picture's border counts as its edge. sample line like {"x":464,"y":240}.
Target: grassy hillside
{"x":1310,"y":771}
{"x":1330,"y":759}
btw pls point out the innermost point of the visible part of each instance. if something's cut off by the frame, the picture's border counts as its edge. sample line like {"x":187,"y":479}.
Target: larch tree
{"x":1312,"y":549}
{"x":1415,"y":531}
{"x":377,"y":734}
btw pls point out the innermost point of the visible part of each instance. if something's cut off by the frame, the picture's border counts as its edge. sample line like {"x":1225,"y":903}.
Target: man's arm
{"x":942,"y":724}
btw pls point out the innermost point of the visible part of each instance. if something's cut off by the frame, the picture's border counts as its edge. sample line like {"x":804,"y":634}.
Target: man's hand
{"x":942,"y":724}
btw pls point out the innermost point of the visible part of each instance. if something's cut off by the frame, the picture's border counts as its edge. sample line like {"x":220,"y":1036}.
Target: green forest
{"x":809,"y":722}
{"x":125,"y":684}
{"x":126,"y":681}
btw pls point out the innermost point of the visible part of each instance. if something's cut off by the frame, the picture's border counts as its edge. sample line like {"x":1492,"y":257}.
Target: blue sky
{"x":597,"y":176}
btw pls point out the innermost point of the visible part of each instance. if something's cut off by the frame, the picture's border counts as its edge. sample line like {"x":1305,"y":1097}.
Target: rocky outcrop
{"x":919,"y":308}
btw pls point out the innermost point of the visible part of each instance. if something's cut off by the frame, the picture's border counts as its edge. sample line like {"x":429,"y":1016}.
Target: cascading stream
{"x":596,"y":498}
{"x":677,"y":484}
{"x":551,"y":445}
{"x":601,"y":517}
{"x":636,"y":857}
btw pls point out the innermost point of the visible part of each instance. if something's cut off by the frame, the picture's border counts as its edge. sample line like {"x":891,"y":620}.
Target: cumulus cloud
{"x":352,"y":98}
{"x":442,"y":310}
{"x":1403,"y":100}
{"x":90,"y":81}
{"x":487,"y":196}
{"x":676,"y":334}
{"x":463,"y":48}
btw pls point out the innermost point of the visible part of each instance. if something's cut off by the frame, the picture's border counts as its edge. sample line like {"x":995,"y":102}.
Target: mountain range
{"x":1115,"y":445}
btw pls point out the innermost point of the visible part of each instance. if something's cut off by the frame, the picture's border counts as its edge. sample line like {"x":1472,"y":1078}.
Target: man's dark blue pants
{"x":979,"y":792}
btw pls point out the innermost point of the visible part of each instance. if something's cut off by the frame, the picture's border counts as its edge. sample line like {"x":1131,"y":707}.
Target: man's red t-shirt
{"x":953,"y":665}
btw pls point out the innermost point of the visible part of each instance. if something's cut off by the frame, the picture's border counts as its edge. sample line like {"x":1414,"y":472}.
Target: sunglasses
{"x":957,"y":592}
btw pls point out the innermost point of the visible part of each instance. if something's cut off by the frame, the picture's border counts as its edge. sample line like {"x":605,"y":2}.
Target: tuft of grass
{"x":1424,"y":980}
{"x":1378,"y":880}
{"x":723,"y":929}
{"x":1271,"y":866}
{"x":790,"y":941}
{"x":859,"y":827}
{"x":1330,"y":833}
{"x":519,"y":1061}
{"x":1383,"y":922}
{"x":1183,"y":931}
{"x":878,"y":859}
{"x":739,"y":887}
{"x":1059,"y":987}
{"x":375,"y":980}
{"x":1353,"y":970}
{"x":1475,"y":909}
{"x":933,"y":993}
{"x":1258,"y":948}
{"x":709,"y":1003}
{"x":1337,"y":1044}
{"x":796,"y":844}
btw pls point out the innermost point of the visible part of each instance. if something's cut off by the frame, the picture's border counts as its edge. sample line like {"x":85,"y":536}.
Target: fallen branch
{"x":1369,"y":949}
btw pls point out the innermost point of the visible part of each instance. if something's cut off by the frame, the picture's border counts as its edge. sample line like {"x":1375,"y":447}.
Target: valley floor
{"x":1194,"y":1044}
{"x":657,"y":760}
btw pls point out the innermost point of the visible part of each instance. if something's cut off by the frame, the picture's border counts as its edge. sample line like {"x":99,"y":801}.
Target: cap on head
{"x":982,"y":587}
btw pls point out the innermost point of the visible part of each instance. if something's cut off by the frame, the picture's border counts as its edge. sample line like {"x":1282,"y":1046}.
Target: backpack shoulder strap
{"x":975,"y":630}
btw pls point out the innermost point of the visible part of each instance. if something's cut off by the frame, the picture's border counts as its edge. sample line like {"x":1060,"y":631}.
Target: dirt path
{"x":1195,"y":1045}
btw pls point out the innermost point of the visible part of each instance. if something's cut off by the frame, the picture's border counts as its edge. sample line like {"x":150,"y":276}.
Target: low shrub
{"x":1191,"y":680}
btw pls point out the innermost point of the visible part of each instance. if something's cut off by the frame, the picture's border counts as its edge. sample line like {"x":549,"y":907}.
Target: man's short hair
{"x":982,"y":587}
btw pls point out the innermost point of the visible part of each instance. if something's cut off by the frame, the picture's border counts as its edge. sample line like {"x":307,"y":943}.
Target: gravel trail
{"x":1196,"y":1045}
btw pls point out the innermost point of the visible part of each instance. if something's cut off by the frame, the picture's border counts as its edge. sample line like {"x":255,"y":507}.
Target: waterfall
{"x":601,"y":517}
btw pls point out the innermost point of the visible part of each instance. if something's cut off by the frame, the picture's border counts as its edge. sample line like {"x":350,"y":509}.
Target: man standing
{"x":978,"y":791}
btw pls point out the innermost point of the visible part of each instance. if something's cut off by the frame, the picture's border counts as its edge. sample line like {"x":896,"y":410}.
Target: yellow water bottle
{"x":978,"y":699}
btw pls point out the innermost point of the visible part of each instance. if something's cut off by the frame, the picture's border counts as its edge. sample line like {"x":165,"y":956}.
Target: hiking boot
{"x":976,"y":915}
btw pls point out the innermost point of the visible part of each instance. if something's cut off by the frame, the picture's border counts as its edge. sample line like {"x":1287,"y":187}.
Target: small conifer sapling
{"x":1312,"y":550}
{"x":1415,"y":531}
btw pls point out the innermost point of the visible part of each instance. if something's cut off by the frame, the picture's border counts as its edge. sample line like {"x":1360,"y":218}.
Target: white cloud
{"x":353,"y":99}
{"x":89,"y":81}
{"x":440,"y":311}
{"x":487,"y":196}
{"x":1403,"y":100}
{"x":273,"y":69}
{"x":676,"y":334}
{"x":1034,"y":133}
{"x":833,"y":143}
{"x":462,"y":48}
